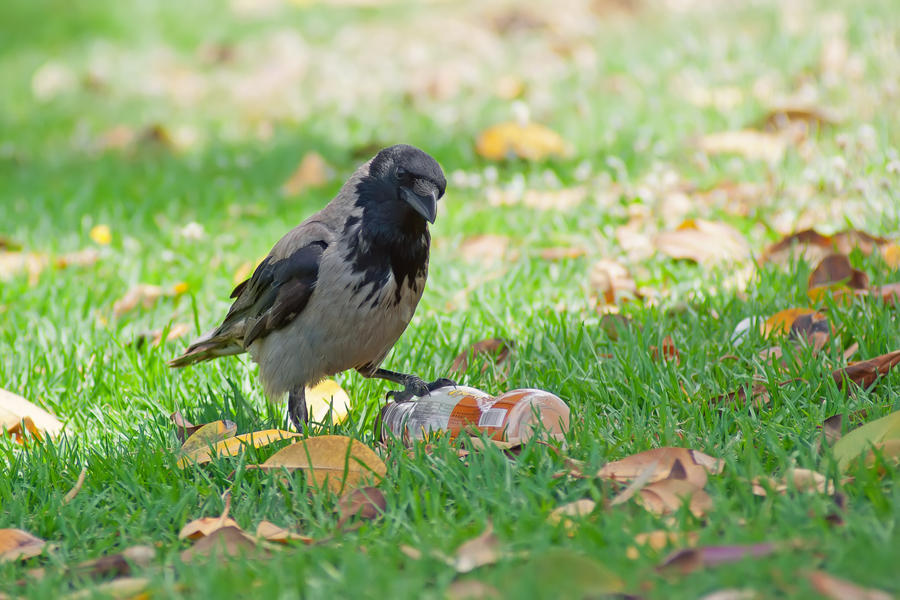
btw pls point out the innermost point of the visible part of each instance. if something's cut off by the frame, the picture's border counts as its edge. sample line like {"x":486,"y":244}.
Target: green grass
{"x":627,"y":119}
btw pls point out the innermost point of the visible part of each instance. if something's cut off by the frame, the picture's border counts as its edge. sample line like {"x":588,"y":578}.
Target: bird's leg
{"x":297,"y":412}
{"x":413,"y":385}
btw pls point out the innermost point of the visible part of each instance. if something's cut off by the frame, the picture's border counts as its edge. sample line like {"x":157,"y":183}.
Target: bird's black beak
{"x":423,"y":201}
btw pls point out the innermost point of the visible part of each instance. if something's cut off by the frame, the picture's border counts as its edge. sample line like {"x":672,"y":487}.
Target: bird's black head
{"x":410,"y":177}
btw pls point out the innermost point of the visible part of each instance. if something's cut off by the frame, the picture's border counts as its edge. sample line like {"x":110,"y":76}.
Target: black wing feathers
{"x":277,"y":291}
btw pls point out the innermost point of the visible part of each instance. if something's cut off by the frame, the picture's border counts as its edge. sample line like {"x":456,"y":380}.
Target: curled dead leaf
{"x":18,"y":415}
{"x":667,"y":496}
{"x":864,"y":373}
{"x":225,"y":542}
{"x":478,"y":552}
{"x":612,"y":281}
{"x":273,"y":533}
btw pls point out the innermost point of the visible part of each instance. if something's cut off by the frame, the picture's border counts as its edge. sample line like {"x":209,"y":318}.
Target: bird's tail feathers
{"x":211,"y":345}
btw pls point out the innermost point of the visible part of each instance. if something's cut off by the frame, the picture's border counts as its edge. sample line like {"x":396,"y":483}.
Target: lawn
{"x":176,"y":128}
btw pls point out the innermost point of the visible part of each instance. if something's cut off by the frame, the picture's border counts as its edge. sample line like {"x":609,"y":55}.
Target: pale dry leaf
{"x":696,"y":465}
{"x":206,"y":435}
{"x":667,"y":496}
{"x":312,"y":171}
{"x":637,"y":483}
{"x":570,"y":513}
{"x":562,"y":253}
{"x":79,"y":258}
{"x":751,"y":144}
{"x":704,"y":242}
{"x":14,"y":409}
{"x":612,"y":281}
{"x":17,"y":544}
{"x":478,"y":552}
{"x":12,"y":264}
{"x":837,"y":588}
{"x":332,"y":461}
{"x":206,"y":526}
{"x":281,"y":535}
{"x":494,"y":351}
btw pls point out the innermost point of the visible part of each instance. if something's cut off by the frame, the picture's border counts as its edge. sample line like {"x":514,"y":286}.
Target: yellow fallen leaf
{"x":207,"y":435}
{"x":15,"y":410}
{"x":101,"y":234}
{"x":891,"y":255}
{"x":755,"y":145}
{"x":235,"y":445}
{"x":530,"y":141}
{"x":324,"y":397}
{"x":333,"y":461}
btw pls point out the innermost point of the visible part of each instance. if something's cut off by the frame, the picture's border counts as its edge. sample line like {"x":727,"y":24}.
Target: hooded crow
{"x":339,"y":289}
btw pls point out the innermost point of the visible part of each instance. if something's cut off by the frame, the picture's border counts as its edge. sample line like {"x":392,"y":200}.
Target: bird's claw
{"x":415,"y":387}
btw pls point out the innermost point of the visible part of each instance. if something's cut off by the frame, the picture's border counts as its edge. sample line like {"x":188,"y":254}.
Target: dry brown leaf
{"x":836,"y":269}
{"x":660,"y":539}
{"x":14,"y":410}
{"x":273,"y":533}
{"x":696,"y":465}
{"x":889,"y":294}
{"x":692,"y":559}
{"x":751,"y":144}
{"x":812,"y":246}
{"x":667,"y":496}
{"x":704,"y":242}
{"x":485,"y":352}
{"x":485,"y":248}
{"x":226,"y":542}
{"x":840,"y":589}
{"x":612,"y":281}
{"x":183,"y":428}
{"x":640,"y":481}
{"x":570,"y":513}
{"x":864,"y":373}
{"x":312,"y":171}
{"x":832,"y":427}
{"x":367,"y":503}
{"x":529,"y":141}
{"x":333,"y":461}
{"x":233,"y":446}
{"x":800,"y":480}
{"x":205,"y":526}
{"x":478,"y":552}
{"x":145,"y":296}
{"x":16,"y":544}
{"x":813,"y":328}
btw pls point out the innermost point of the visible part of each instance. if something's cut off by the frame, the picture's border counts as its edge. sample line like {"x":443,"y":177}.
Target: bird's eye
{"x":402,"y":174}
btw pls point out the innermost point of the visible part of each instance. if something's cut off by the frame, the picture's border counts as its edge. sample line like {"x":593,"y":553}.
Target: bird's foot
{"x":416,"y":387}
{"x":297,"y":413}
